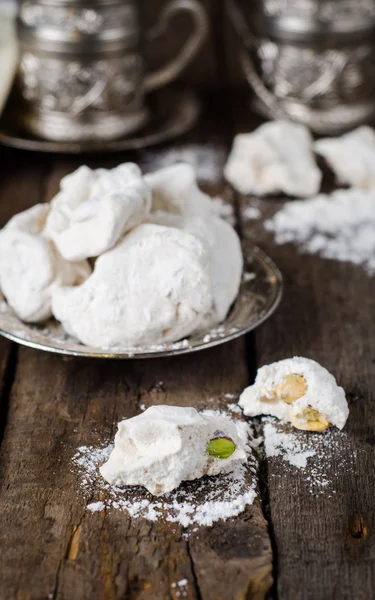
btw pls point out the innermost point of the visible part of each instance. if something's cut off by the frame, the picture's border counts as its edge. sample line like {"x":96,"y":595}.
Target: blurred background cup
{"x":312,"y":60}
{"x":82,"y":74}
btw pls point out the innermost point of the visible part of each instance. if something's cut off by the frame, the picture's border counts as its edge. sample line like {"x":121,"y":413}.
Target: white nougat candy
{"x":175,"y":191}
{"x":224,"y":248}
{"x":31,"y":267}
{"x":351,"y":157}
{"x":169,"y":444}
{"x":95,"y":208}
{"x":178,"y":202}
{"x":153,"y":287}
{"x":298,"y":390}
{"x":166,"y":266}
{"x":276,"y":157}
{"x":165,"y":279}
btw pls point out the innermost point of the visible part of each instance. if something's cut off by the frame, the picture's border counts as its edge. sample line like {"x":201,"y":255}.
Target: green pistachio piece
{"x":222,"y":447}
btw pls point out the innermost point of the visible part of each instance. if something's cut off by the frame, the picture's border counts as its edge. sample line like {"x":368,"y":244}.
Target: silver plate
{"x":259,"y":296}
{"x":173,"y":110}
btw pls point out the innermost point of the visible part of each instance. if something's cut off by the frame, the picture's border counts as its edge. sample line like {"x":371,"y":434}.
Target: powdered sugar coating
{"x":166,"y":445}
{"x":276,"y":157}
{"x":94,"y":209}
{"x":224,"y":248}
{"x":175,"y":191}
{"x":31,"y":267}
{"x":153,"y":287}
{"x":323,"y":394}
{"x":351,"y":157}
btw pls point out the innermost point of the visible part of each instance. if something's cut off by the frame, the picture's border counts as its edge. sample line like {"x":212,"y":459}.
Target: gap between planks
{"x":323,"y":543}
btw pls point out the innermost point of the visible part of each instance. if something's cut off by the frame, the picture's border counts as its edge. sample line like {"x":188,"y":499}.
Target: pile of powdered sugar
{"x":310,"y":453}
{"x":340,"y":226}
{"x":200,"y":502}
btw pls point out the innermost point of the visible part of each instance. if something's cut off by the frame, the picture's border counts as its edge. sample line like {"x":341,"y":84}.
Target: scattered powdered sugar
{"x":249,"y":277}
{"x":199,"y":502}
{"x":218,"y":333}
{"x":250,"y":213}
{"x":133,"y":350}
{"x":340,"y":226}
{"x":96,"y":506}
{"x":207,"y":160}
{"x":181,"y":583}
{"x":287,"y":445}
{"x":310,"y":453}
{"x":181,"y":587}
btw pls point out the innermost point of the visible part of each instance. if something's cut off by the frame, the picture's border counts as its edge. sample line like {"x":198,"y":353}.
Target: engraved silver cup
{"x":312,"y":60}
{"x":82,"y":74}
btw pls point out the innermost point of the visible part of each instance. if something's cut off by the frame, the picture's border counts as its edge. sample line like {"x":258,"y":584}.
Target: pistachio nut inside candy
{"x":221,"y":446}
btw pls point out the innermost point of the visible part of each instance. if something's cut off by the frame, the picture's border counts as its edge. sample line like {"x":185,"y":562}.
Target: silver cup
{"x":82,"y":72}
{"x":312,"y":61}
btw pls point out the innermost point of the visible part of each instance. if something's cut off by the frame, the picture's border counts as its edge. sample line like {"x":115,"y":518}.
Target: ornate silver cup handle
{"x":173,"y":68}
{"x":250,"y":43}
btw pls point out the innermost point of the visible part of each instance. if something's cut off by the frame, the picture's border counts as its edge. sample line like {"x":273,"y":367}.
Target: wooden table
{"x":290,"y":544}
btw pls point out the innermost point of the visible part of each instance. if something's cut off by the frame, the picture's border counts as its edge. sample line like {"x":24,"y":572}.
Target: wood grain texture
{"x":323,"y":542}
{"x":16,"y":194}
{"x":58,"y":405}
{"x":58,"y":549}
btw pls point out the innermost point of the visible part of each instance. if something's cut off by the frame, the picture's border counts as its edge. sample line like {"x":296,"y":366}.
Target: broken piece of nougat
{"x":166,"y":445}
{"x":298,"y":390}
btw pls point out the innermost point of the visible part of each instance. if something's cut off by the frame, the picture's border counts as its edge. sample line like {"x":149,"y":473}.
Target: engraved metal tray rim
{"x":257,"y":299}
{"x":176,"y":111}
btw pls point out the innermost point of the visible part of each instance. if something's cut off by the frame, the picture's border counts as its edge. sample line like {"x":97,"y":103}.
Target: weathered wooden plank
{"x":323,"y":543}
{"x":16,"y":195}
{"x":60,"y":404}
{"x":7,"y":366}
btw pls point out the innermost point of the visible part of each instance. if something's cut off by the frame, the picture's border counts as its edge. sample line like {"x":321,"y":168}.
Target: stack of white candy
{"x":165,"y":267}
{"x":278,"y":157}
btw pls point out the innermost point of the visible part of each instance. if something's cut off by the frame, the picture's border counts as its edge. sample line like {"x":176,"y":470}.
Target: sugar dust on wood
{"x":340,"y":226}
{"x":312,"y":454}
{"x":199,"y":502}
